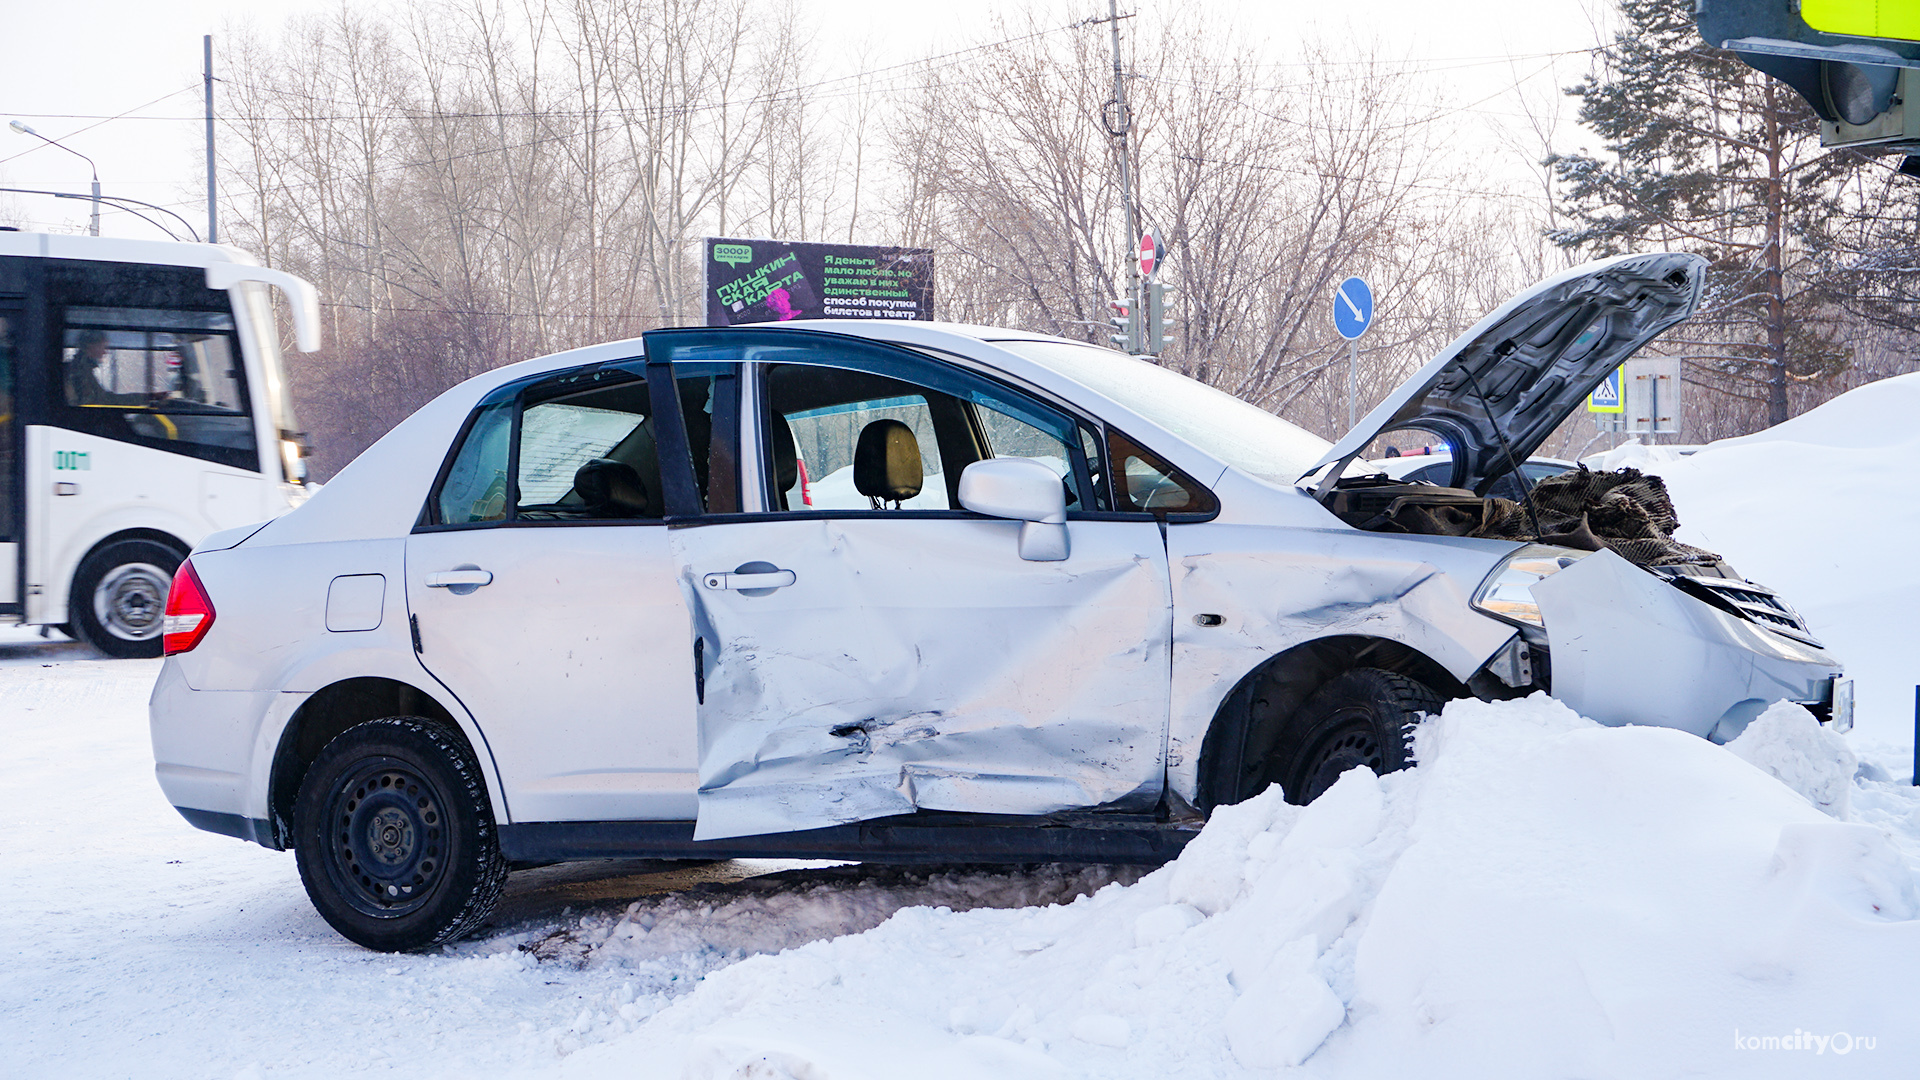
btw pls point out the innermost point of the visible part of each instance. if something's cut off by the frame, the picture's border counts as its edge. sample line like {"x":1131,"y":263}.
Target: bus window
{"x":169,"y":379}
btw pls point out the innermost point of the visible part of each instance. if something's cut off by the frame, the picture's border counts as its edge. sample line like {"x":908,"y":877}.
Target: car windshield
{"x":1244,"y":436}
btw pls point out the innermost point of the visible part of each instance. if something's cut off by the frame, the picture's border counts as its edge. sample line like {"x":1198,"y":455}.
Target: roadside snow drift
{"x":1541,"y":897}
{"x":1821,"y":508}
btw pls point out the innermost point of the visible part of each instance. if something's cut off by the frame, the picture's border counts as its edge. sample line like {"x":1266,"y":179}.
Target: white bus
{"x":143,"y":405}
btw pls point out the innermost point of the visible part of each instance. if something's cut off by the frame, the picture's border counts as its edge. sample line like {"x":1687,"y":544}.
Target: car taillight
{"x":189,"y":612}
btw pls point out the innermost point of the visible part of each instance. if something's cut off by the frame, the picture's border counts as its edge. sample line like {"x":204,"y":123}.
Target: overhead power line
{"x":102,"y":119}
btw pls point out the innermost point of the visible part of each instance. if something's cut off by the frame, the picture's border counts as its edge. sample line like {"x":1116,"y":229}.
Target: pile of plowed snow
{"x":1823,"y":509}
{"x":1541,"y":896}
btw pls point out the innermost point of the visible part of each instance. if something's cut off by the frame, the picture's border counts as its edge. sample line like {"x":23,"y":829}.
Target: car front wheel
{"x":1364,"y":716}
{"x":395,"y":837}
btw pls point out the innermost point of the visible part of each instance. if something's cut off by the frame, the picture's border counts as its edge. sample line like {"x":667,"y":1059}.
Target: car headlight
{"x":1508,"y":591}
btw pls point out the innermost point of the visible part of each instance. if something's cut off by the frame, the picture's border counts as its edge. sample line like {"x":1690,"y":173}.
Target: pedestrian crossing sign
{"x":1607,"y":397}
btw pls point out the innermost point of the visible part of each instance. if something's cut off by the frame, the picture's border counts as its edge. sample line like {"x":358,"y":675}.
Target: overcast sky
{"x":73,"y":64}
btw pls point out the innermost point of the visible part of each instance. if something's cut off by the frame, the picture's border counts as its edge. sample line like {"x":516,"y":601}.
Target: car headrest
{"x":886,"y":461}
{"x":786,"y":457}
{"x":613,"y":489}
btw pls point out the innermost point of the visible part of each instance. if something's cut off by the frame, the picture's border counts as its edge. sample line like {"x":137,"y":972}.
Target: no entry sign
{"x":1149,"y":254}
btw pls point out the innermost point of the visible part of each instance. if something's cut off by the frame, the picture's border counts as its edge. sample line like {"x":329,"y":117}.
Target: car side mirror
{"x":1024,"y":490}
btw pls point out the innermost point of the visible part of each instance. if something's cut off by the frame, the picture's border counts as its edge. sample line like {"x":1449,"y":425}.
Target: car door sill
{"x":915,"y":838}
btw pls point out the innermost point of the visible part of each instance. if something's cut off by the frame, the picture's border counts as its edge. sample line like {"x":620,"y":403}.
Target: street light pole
{"x":25,"y":130}
{"x":213,"y":213}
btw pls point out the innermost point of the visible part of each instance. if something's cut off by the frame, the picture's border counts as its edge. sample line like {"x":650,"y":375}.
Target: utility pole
{"x":213,"y":213}
{"x":1118,"y":117}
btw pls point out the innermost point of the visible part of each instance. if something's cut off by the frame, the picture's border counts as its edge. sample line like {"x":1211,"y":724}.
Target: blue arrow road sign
{"x":1352,"y":308}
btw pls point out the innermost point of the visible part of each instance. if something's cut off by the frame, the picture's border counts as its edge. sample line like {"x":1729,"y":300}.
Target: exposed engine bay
{"x":1622,"y":510}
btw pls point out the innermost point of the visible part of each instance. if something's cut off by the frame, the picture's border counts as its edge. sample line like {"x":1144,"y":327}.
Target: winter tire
{"x":395,"y":836}
{"x":1362,"y":717}
{"x":119,"y":599}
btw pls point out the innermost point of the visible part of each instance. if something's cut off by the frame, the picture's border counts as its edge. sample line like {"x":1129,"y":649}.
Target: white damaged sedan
{"x":905,"y":591}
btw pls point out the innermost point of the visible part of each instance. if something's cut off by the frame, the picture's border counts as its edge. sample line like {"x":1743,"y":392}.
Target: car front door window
{"x":820,"y":415}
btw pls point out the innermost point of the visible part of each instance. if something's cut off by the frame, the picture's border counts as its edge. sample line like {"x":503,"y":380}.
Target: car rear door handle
{"x":772,"y":579}
{"x":448,"y":579}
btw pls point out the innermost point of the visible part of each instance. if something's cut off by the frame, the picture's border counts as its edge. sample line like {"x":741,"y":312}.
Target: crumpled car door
{"x":858,"y":668}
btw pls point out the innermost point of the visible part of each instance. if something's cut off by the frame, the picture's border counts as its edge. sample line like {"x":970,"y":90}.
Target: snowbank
{"x":1821,"y":508}
{"x":1542,"y":896}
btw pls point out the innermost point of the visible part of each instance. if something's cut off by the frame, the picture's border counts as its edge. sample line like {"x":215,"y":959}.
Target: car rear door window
{"x":475,"y":489}
{"x":587,"y":445}
{"x":587,"y":454}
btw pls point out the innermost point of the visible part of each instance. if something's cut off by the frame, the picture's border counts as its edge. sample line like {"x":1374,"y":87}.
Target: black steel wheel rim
{"x":386,"y":838}
{"x":1353,"y":742}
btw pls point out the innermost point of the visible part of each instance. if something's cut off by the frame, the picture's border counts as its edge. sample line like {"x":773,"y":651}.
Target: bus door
{"x":11,"y":289}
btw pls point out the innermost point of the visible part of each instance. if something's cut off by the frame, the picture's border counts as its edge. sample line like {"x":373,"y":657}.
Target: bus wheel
{"x":119,"y":599}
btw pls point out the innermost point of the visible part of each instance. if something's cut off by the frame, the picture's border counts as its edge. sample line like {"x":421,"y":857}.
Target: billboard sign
{"x":755,"y":281}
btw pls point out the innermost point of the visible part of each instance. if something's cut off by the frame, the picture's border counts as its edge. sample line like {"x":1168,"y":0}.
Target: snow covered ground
{"x":1541,"y":897}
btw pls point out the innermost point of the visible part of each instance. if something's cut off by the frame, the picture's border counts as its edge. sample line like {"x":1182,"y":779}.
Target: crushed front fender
{"x":1629,"y":648}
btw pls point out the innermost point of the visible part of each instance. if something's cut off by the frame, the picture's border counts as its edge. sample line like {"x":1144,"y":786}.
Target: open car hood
{"x":1501,"y":388}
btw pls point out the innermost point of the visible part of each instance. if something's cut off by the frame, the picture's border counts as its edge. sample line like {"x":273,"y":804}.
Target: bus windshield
{"x":257,"y":308}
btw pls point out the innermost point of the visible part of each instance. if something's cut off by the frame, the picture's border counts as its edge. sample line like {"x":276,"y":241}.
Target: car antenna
{"x":1526,"y":490}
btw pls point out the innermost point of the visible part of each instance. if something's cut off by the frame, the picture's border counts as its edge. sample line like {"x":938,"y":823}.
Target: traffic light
{"x":1854,"y":61}
{"x":1122,"y":318}
{"x":1159,"y":327}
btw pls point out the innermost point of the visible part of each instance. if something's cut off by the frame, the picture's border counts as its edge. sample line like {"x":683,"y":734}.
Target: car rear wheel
{"x":119,"y":599}
{"x":395,"y":836}
{"x":1364,"y":717}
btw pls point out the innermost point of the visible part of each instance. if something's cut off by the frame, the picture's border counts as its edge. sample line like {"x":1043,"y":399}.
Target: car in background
{"x":1047,"y":603}
{"x":1437,"y":468}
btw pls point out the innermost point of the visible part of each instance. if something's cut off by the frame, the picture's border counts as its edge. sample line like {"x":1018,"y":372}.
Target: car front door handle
{"x":453,"y":579}
{"x":771,"y":579}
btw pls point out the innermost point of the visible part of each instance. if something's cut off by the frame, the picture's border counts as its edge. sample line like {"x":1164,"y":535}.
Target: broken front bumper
{"x":1628,"y":647}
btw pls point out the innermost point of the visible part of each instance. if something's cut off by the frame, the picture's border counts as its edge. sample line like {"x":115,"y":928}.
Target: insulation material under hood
{"x":1501,"y":388}
{"x":1624,"y":510}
